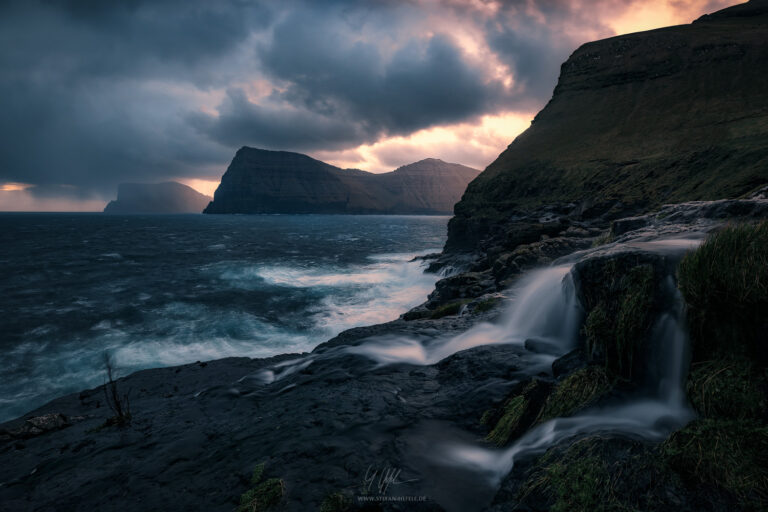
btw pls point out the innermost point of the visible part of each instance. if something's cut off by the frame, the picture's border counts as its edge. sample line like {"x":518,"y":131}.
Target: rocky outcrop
{"x":261,"y":181}
{"x":168,"y":197}
{"x":636,"y":121}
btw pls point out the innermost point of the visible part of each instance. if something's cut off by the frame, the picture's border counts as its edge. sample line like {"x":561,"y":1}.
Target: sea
{"x":162,"y":290}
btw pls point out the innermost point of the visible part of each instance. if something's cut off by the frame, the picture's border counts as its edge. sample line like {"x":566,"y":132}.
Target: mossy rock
{"x":517,"y":414}
{"x":577,"y":391}
{"x":486,"y":304}
{"x":725,"y":284}
{"x":452,"y":308}
{"x":728,"y":388}
{"x":728,"y":454}
{"x":587,"y":476}
{"x":621,"y":296}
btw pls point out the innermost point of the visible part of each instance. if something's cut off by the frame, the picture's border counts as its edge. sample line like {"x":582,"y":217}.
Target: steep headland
{"x":636,"y":121}
{"x":168,"y":197}
{"x":261,"y":181}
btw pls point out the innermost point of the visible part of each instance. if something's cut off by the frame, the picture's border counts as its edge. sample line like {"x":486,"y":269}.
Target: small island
{"x":168,"y":197}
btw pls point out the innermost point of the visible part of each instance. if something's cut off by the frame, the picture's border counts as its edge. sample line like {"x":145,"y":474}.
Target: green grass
{"x":725,"y":284}
{"x":620,"y":317}
{"x":336,"y":502}
{"x":263,"y":495}
{"x":728,"y":388}
{"x":603,"y":239}
{"x":510,"y":421}
{"x":729,"y":454}
{"x":578,"y":480}
{"x":486,"y":304}
{"x":575,"y":392}
{"x":517,"y":413}
{"x":451,"y":308}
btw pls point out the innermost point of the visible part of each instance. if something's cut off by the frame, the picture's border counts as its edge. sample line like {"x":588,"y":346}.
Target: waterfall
{"x":652,"y":413}
{"x":545,"y":309}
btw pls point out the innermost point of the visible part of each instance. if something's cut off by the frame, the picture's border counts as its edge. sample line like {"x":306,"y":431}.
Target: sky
{"x":96,"y":93}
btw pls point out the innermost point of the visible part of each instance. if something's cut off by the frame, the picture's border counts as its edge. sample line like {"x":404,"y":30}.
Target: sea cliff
{"x":262,"y":181}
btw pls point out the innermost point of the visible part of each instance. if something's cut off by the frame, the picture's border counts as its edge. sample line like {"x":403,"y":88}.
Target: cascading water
{"x":545,"y":309}
{"x":653,"y":413}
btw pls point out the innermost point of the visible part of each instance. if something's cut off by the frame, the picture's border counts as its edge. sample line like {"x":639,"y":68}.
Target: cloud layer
{"x":97,"y":93}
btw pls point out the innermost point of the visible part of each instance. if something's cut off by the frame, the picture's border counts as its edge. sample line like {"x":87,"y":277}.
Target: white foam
{"x":544,"y":307}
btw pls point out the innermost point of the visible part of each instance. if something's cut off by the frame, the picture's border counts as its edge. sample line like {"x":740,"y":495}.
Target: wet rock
{"x":568,"y":363}
{"x":542,"y":346}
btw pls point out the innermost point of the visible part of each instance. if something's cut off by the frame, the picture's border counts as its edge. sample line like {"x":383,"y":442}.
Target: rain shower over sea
{"x":165,"y":290}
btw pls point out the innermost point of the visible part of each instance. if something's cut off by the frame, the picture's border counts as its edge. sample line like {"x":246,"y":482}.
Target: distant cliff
{"x":261,"y":181}
{"x":168,"y":197}
{"x":668,"y":115}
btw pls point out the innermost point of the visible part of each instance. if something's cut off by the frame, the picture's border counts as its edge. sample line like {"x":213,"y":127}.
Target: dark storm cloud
{"x":95,"y":93}
{"x":344,"y":92}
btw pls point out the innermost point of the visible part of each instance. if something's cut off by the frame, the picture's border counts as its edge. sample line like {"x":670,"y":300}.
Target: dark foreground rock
{"x":197,"y":432}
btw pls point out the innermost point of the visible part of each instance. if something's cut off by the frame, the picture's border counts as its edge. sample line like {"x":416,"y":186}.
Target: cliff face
{"x":261,"y":181}
{"x":169,"y":197}
{"x":635,"y":121}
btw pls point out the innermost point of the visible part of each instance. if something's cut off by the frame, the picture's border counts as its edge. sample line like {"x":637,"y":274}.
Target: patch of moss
{"x":620,"y":317}
{"x":336,"y":502}
{"x":258,"y":472}
{"x":517,"y":414}
{"x":510,"y":421}
{"x":486,"y":304}
{"x":579,"y":480}
{"x":728,"y":388}
{"x":263,"y":495}
{"x":451,"y":308}
{"x":725,"y":283}
{"x":603,"y":239}
{"x":728,"y":454}
{"x":578,"y":390}
{"x":487,"y":417}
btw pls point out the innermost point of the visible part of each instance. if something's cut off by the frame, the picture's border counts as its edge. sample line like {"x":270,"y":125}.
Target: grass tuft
{"x":728,"y":388}
{"x":261,"y":496}
{"x":579,"y":480}
{"x":578,"y":390}
{"x":729,"y":454}
{"x":510,"y":421}
{"x":725,"y":283}
{"x":452,"y":308}
{"x":620,"y":317}
{"x":336,"y":502}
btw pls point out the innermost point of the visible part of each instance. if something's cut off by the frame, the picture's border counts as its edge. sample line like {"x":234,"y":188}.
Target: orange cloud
{"x":475,"y":144}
